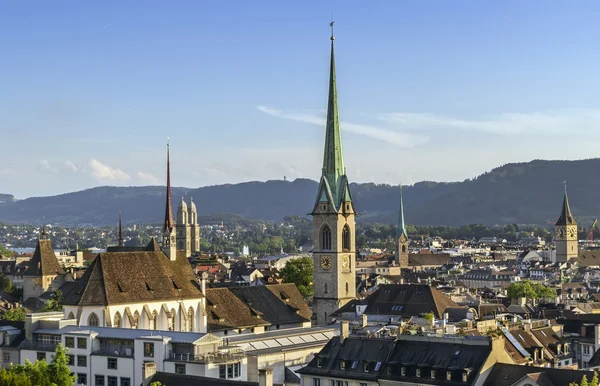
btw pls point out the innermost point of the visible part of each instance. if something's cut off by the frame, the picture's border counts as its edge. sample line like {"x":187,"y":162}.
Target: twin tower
{"x":188,"y":230}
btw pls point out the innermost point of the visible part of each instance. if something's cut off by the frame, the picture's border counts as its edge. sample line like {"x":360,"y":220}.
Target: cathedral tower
{"x":565,"y":237}
{"x":120,"y":239}
{"x":334,"y":251}
{"x":169,"y":245}
{"x":401,"y":237}
{"x":183,"y":229}
{"x":194,"y":227}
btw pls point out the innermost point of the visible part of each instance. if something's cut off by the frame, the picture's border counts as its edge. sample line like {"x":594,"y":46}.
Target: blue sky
{"x":428,"y":90}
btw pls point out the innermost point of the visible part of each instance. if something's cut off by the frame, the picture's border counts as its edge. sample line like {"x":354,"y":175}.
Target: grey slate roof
{"x":507,"y":375}
{"x":171,"y":379}
{"x":43,"y":262}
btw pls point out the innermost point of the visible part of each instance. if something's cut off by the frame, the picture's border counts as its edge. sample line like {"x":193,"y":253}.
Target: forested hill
{"x":523,"y":193}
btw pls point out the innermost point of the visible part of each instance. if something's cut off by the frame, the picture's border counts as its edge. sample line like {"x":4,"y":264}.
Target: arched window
{"x":347,"y":287}
{"x":326,"y":238}
{"x":117,"y":323}
{"x":404,"y":249}
{"x":136,"y":320}
{"x":191,"y":319}
{"x":153,"y":320}
{"x":93,"y":320}
{"x":346,"y":238}
{"x":71,"y":315}
{"x":325,"y":287}
{"x":173,"y":316}
{"x":325,"y":315}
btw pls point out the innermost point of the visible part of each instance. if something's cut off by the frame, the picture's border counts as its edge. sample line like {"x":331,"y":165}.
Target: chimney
{"x":265,"y":377}
{"x":148,"y":371}
{"x":344,"y":331}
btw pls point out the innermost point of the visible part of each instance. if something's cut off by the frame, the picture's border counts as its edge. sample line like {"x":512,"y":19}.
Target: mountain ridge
{"x":523,"y":193}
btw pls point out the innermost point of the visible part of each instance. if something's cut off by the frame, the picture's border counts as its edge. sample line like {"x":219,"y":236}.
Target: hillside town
{"x":429,"y":311}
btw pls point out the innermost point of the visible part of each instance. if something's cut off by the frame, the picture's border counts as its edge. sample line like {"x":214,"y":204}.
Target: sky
{"x":428,"y":90}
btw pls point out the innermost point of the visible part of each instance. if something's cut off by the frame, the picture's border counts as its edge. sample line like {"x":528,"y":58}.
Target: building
{"x":401,"y":238}
{"x":565,"y":237}
{"x":43,"y":272}
{"x":11,"y":336}
{"x":188,"y":229}
{"x":334,"y":228}
{"x":512,"y":375}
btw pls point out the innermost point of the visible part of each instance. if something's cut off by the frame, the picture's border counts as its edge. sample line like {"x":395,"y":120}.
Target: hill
{"x":523,"y":193}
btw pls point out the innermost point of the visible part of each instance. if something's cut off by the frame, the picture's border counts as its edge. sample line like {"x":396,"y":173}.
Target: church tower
{"x":565,"y":237}
{"x":169,"y":245}
{"x":120,"y":239}
{"x":183,"y":229}
{"x":334,"y":251}
{"x":401,"y":237}
{"x":194,"y":227}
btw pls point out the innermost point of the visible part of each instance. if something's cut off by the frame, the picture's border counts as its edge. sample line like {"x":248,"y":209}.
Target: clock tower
{"x":565,"y":237}
{"x":401,"y":238}
{"x":334,"y":251}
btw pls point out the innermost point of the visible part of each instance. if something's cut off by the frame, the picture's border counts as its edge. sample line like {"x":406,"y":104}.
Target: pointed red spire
{"x":168,"y":225}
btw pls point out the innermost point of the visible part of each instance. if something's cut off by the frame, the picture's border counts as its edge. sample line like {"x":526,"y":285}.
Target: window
{"x":418,"y":373}
{"x":432,"y":374}
{"x":448,"y":375}
{"x":191,"y":319}
{"x":366,"y":367}
{"x":99,"y":380}
{"x":586,"y":349}
{"x":339,"y":383}
{"x":70,"y":360}
{"x":346,"y":238}
{"x":6,"y":357}
{"x":403,"y":371}
{"x":149,"y":350}
{"x":69,"y":342}
{"x":81,"y":343}
{"x":173,"y":316}
{"x":222,"y":371}
{"x":465,"y":376}
{"x":111,"y":363}
{"x":125,"y":381}
{"x":354,"y":364}
{"x":377,"y":366}
{"x":326,"y":238}
{"x":325,"y":287}
{"x":152,"y":320}
{"x":93,"y":320}
{"x":342,"y":365}
{"x":230,"y":371}
{"x":81,"y":361}
{"x":347,"y":287}
{"x":179,"y":368}
{"x":319,"y":363}
{"x":41,"y":356}
{"x":81,"y":379}
{"x":237,"y":369}
{"x":117,"y":322}
{"x":112,"y":381}
{"x":71,"y":315}
{"x":404,"y":249}
{"x":136,"y":320}
{"x":316,"y":381}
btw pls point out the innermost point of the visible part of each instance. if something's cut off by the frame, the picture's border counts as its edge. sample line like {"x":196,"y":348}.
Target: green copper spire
{"x":401,"y":226}
{"x":333,"y":160}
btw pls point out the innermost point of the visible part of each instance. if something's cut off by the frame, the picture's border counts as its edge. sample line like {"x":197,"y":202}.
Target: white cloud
{"x":397,"y":138}
{"x":508,"y":123}
{"x":147,"y":178}
{"x":45,"y":166}
{"x":103,"y":172}
{"x":72,"y":166}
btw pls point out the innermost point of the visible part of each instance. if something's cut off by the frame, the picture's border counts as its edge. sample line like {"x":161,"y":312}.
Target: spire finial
{"x":331,"y":25}
{"x":565,"y":184}
{"x":401,"y":225}
{"x":43,"y":234}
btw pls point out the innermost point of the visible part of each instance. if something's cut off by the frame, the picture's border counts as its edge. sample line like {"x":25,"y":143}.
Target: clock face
{"x":572,"y":233}
{"x":345,"y":262}
{"x":325,"y":262}
{"x":560,"y":233}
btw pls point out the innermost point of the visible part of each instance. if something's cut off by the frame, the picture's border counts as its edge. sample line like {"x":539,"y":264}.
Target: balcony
{"x":124,"y":352}
{"x":219,"y":357}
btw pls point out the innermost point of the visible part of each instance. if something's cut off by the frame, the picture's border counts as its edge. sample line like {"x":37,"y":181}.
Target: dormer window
{"x":319,"y":363}
{"x":403,"y":371}
{"x":418,"y":373}
{"x":465,"y":376}
{"x":366,"y":367}
{"x":448,"y":375}
{"x":342,"y":365}
{"x":432,"y":374}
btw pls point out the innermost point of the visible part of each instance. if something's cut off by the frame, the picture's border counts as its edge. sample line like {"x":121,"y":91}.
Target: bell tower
{"x":565,"y":238}
{"x":401,"y":237}
{"x":169,"y":244}
{"x":334,"y":251}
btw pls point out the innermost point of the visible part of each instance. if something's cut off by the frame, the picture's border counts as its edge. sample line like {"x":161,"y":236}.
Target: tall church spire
{"x":121,"y":241}
{"x":333,"y":160}
{"x":401,"y":226}
{"x":566,"y":218}
{"x":168,"y":224}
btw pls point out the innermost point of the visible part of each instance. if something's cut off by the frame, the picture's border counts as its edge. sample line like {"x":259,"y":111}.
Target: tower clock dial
{"x":325,"y":262}
{"x":560,"y":233}
{"x":346,"y":262}
{"x":572,"y":233}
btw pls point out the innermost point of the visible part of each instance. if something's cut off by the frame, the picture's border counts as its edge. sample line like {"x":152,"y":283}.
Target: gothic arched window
{"x":346,"y":238}
{"x":153,"y":320}
{"x":191,"y":319}
{"x":326,"y":238}
{"x":404,"y":249}
{"x":71,"y":315}
{"x":173,"y":316}
{"x":136,"y":320}
{"x":117,"y":323}
{"x":93,"y":320}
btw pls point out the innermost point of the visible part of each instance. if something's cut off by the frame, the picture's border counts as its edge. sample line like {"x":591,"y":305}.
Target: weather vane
{"x":331,"y":25}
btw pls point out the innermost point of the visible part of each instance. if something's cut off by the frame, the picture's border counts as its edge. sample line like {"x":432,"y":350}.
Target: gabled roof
{"x":130,"y":277}
{"x":44,"y":261}
{"x":408,"y":300}
{"x":439,"y":259}
{"x":507,"y":375}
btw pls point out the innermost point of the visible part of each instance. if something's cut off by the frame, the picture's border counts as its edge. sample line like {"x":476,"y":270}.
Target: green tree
{"x":55,"y":302}
{"x":300,"y":272}
{"x":14,"y":314}
{"x":57,"y":373}
{"x":529,"y":290}
{"x":8,"y":378}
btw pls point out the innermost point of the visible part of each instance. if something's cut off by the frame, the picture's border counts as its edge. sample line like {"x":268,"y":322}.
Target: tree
{"x":55,"y":302}
{"x":57,"y":373}
{"x":300,"y":272}
{"x":8,"y":378}
{"x":14,"y":314}
{"x":529,"y":290}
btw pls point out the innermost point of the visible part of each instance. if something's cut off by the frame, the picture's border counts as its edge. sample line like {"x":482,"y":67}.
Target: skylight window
{"x":377,"y":366}
{"x":354,"y":364}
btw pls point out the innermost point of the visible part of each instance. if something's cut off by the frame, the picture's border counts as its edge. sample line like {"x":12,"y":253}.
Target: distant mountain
{"x":6,"y":198}
{"x":522,"y":193}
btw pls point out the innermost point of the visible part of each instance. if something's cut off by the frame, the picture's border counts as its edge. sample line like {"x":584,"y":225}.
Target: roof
{"x":566,"y":218}
{"x":131,"y":277}
{"x":356,"y":353}
{"x":169,"y":379}
{"x":408,"y":300}
{"x":238,"y":307}
{"x":507,"y":375}
{"x":44,"y":261}
{"x":437,"y":259}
